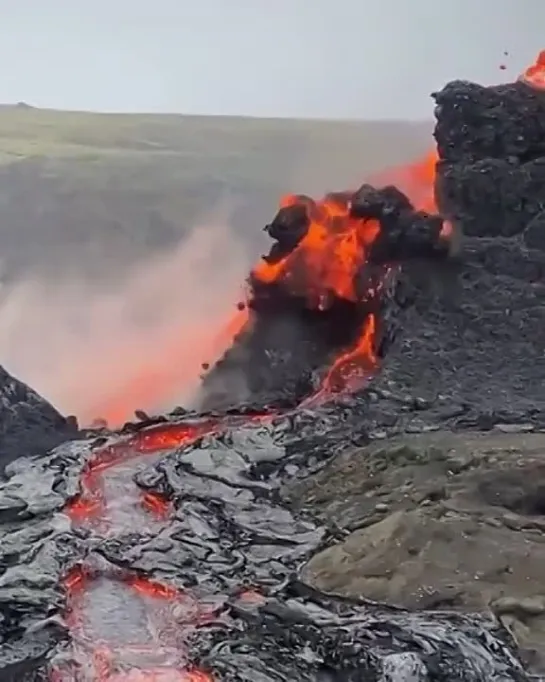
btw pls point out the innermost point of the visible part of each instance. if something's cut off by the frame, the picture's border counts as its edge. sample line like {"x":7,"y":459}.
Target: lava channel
{"x":126,"y":627}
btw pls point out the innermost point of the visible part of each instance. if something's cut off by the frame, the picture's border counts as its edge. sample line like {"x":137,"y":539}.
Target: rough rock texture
{"x":230,"y":532}
{"x":438,"y":524}
{"x":29,"y":425}
{"x":470,"y":351}
{"x":491,"y":145}
{"x":440,"y":521}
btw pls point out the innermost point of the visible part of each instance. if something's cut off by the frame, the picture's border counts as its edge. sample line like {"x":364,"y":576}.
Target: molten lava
{"x":324,"y":264}
{"x":321,"y":266}
{"x":534,"y":76}
{"x":326,"y":260}
{"x":91,"y":501}
{"x":354,"y":365}
{"x":105,"y":661}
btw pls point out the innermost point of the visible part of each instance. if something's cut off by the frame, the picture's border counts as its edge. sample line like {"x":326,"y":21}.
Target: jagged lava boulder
{"x":29,"y":425}
{"x":491,"y":146}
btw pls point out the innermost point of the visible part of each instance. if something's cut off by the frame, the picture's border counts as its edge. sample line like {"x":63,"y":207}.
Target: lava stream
{"x":125,"y":627}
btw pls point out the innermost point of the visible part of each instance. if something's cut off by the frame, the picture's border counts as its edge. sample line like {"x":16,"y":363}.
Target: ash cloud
{"x":97,"y":351}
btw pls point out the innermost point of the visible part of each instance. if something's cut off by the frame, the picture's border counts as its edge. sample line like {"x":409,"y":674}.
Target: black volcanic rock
{"x":534,"y":233}
{"x":491,"y":145}
{"x":470,"y":349}
{"x":231,"y":531}
{"x":29,"y":425}
{"x":492,"y":196}
{"x":499,"y":122}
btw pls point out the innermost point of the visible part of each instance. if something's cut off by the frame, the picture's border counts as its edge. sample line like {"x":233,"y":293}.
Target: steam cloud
{"x":95,"y":352}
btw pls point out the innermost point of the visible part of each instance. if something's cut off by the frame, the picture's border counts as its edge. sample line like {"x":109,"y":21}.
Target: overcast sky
{"x":316,"y":58}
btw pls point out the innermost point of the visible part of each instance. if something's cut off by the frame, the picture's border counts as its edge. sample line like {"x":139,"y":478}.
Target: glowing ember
{"x":326,"y":261}
{"x":156,"y":504}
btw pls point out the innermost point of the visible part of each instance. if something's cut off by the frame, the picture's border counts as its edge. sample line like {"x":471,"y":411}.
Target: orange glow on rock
{"x":336,"y":246}
{"x":156,"y":504}
{"x":322,"y":266}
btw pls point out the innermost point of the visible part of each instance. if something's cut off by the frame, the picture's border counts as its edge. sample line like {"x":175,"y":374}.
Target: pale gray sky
{"x":317,"y":58}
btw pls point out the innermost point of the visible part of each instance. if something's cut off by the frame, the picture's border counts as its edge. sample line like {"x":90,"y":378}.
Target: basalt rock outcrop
{"x":29,"y":425}
{"x":491,"y":145}
{"x":471,"y":351}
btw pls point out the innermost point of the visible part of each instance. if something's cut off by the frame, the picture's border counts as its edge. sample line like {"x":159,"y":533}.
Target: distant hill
{"x":94,"y":192}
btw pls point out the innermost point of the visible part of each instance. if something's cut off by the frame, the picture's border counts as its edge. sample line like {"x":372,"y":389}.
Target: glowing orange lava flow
{"x":322,"y":266}
{"x":325,"y":262}
{"x":92,"y":504}
{"x":356,"y":364}
{"x":327,"y":259}
{"x":102,"y":657}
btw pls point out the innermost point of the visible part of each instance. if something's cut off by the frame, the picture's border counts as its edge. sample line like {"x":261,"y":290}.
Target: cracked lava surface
{"x":125,"y":627}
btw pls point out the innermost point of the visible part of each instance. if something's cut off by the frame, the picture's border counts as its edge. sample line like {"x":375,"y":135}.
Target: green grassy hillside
{"x":101,"y":190}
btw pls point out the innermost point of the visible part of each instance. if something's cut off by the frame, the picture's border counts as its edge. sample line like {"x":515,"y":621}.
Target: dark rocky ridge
{"x":468,"y":355}
{"x":471,"y":351}
{"x":491,"y":144}
{"x":29,"y":425}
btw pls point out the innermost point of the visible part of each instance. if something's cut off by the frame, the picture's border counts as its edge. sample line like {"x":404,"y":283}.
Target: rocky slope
{"x":29,"y":425}
{"x":439,"y":520}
